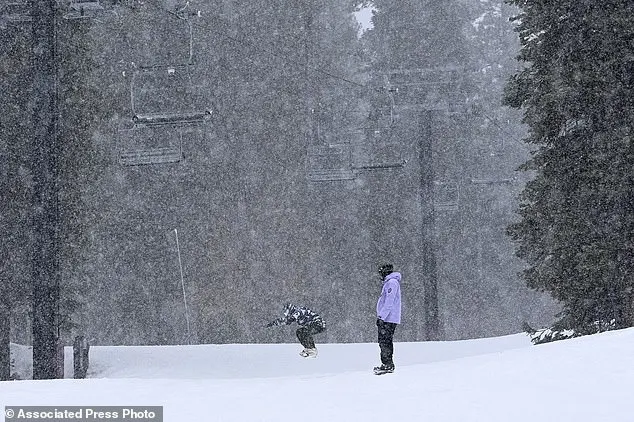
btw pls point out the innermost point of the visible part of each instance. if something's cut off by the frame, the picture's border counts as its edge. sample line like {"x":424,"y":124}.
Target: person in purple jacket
{"x":388,"y":313}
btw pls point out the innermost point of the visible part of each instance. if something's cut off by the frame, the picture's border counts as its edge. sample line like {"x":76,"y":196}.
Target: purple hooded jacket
{"x":388,"y":308}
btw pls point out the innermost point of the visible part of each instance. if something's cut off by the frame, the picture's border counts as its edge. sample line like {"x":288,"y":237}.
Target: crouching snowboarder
{"x":310,"y":323}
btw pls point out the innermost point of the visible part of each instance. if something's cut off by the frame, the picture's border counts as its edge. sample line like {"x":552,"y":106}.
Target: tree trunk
{"x":628,"y":310}
{"x":5,"y":337}
{"x":45,"y":217}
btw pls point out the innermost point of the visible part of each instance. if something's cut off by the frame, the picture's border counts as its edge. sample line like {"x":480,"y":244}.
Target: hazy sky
{"x":364,"y":16}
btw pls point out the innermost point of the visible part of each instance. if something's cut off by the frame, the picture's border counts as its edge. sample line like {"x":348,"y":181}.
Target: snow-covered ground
{"x":587,"y":379}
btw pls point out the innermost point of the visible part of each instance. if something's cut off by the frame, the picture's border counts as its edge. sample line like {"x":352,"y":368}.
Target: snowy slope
{"x":498,"y":379}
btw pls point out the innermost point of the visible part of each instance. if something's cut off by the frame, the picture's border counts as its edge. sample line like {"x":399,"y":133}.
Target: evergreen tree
{"x":576,"y":91}
{"x":14,"y":184}
{"x":411,"y":34}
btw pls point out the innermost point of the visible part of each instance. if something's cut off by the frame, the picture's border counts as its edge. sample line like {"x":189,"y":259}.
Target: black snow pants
{"x":386,"y":341}
{"x":305,"y":334}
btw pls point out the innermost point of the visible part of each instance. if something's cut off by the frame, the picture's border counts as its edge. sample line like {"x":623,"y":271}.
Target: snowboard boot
{"x":308,"y":353}
{"x":383,"y":369}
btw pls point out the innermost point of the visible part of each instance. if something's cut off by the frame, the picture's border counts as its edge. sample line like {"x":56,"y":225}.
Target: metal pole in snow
{"x":180,"y":266}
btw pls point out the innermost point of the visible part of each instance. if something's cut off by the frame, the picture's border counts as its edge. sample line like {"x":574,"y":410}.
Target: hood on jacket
{"x":393,"y":276}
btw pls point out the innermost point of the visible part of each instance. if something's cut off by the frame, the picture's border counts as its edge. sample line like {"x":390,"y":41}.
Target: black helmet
{"x":386,"y":269}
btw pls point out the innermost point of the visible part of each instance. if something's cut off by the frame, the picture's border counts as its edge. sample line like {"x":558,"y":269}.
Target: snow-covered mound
{"x":498,"y":379}
{"x":275,"y":360}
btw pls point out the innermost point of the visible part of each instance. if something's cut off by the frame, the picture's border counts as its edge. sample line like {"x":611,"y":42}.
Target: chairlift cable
{"x":272,"y":53}
{"x":279,"y":56}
